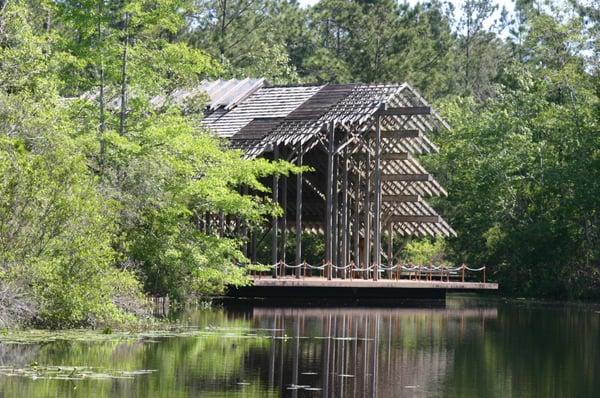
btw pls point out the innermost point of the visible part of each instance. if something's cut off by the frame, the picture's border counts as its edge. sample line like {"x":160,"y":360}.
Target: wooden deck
{"x":292,"y":282}
{"x":317,"y":287}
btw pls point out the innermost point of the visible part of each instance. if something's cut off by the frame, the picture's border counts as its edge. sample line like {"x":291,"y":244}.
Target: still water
{"x":469,"y":347}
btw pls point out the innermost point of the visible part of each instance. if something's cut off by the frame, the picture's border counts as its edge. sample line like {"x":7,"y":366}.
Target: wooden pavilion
{"x":361,"y":140}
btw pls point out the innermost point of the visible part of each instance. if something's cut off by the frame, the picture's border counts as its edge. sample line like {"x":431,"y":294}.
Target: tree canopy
{"x":103,"y":192}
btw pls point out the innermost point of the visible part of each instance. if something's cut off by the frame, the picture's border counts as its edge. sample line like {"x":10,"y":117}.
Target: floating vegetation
{"x":86,"y":335}
{"x":342,"y":338}
{"x":35,"y":372}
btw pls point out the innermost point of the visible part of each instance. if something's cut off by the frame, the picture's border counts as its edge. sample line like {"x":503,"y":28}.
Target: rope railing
{"x":397,"y":271}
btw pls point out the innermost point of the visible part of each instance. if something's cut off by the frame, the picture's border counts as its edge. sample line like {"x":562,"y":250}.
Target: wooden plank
{"x":417,"y":219}
{"x":406,"y":177}
{"x":361,"y":283}
{"x":406,"y":111}
{"x":399,"y":134}
{"x":400,"y":198}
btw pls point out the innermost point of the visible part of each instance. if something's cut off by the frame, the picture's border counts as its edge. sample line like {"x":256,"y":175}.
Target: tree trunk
{"x":102,"y":125}
{"x":223,"y":25}
{"x":123,"y":117}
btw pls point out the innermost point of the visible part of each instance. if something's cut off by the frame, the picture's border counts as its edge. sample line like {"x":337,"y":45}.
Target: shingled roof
{"x":254,"y":117}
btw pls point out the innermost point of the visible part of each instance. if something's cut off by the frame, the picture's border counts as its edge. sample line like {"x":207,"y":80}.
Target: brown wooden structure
{"x":362,"y":141}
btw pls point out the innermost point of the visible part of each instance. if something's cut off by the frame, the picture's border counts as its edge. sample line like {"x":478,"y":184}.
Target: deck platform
{"x":315,"y":287}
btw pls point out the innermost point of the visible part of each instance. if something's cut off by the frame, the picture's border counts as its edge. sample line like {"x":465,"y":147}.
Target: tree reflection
{"x":462,"y":349}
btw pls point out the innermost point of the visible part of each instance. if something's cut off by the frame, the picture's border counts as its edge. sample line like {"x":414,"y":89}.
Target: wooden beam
{"x":406,"y":110}
{"x":388,"y":156}
{"x":406,"y":177}
{"x":400,"y":198}
{"x":395,"y":156}
{"x":399,"y":134}
{"x":417,"y":219}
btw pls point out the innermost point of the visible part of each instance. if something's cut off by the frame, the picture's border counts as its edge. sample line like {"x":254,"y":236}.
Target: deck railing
{"x":351,"y":271}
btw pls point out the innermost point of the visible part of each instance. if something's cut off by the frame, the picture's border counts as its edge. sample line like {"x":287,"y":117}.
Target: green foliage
{"x":101,"y":194}
{"x":107,"y":181}
{"x":56,"y":234}
{"x":523,"y":169}
{"x":426,"y":252}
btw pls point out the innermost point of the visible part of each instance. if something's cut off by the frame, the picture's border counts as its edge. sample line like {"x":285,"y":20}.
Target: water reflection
{"x":467,"y":348}
{"x":365,"y":352}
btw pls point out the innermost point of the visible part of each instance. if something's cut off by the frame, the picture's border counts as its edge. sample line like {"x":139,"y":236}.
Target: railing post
{"x":463,"y":272}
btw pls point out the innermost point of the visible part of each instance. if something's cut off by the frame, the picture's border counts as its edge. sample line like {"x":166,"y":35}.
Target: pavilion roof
{"x":255,"y":116}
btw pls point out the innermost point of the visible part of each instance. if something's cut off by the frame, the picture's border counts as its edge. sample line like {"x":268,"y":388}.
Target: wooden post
{"x":275,"y":221}
{"x":345,"y":210}
{"x":221,"y":224}
{"x":253,"y":246}
{"x":335,"y":218}
{"x":284,"y":219}
{"x":367,"y":215}
{"x":329,"y":207}
{"x":356,"y":218}
{"x":245,"y":228}
{"x":377,"y":209}
{"x":300,"y":161}
{"x":390,"y":248}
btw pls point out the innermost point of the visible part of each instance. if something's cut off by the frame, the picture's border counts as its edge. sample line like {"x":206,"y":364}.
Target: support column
{"x":244,"y":231}
{"x":390,"y":249}
{"x":253,"y":247}
{"x":377,"y":209}
{"x":221,"y":224}
{"x":329,"y":205}
{"x":284,"y":205}
{"x":356,"y":221}
{"x":335,"y":215}
{"x":367,"y":210}
{"x":275,"y":221}
{"x":345,"y":210}
{"x":300,"y":161}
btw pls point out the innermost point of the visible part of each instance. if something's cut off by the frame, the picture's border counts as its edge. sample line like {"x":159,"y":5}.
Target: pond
{"x":468,"y":347}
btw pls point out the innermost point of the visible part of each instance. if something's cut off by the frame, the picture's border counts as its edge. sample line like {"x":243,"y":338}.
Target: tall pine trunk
{"x":123,"y":116}
{"x":101,"y":100}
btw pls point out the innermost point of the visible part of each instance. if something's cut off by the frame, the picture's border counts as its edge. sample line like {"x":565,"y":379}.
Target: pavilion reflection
{"x":363,"y":352}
